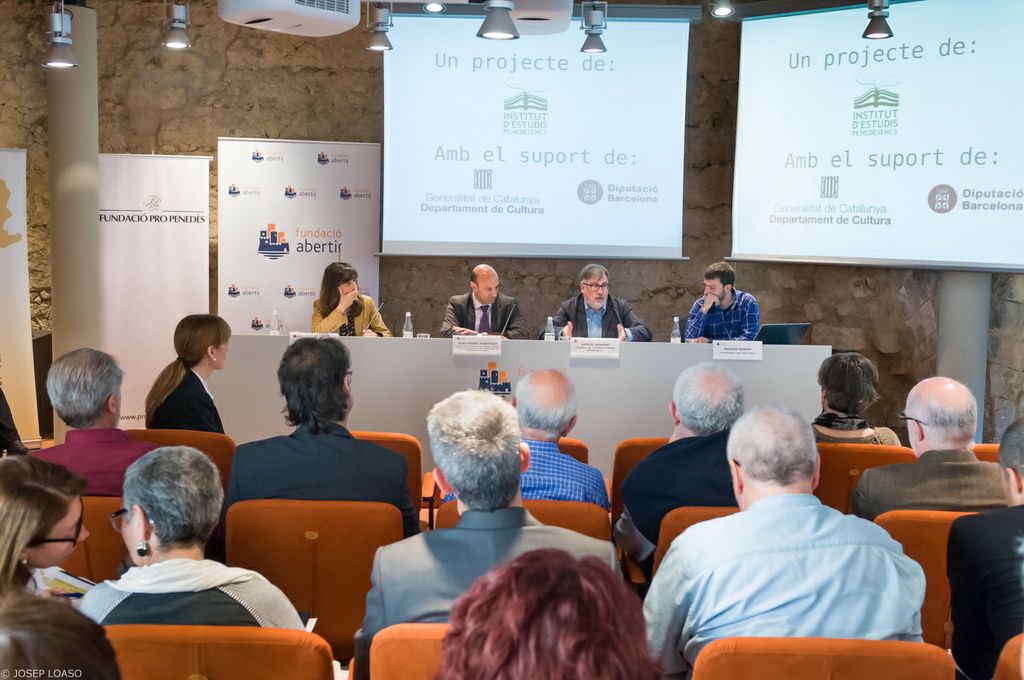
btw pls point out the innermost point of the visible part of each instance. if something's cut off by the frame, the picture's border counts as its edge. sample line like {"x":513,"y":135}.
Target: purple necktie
{"x":485,"y":319}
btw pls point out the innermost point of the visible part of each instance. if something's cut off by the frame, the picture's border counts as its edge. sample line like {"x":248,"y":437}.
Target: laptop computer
{"x":782,"y":333}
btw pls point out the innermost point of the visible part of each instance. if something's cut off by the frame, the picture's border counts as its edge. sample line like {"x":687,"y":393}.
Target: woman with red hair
{"x":547,"y":615}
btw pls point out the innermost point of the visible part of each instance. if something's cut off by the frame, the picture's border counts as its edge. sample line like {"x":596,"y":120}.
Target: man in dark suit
{"x":983,"y":563}
{"x":596,"y":314}
{"x":692,"y":468}
{"x":10,"y":440}
{"x":320,"y":460}
{"x":941,"y":416}
{"x":483,"y":310}
{"x":475,"y":438}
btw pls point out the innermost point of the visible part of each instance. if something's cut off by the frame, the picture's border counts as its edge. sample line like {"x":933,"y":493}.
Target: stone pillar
{"x":75,"y":259}
{"x":964,"y":303}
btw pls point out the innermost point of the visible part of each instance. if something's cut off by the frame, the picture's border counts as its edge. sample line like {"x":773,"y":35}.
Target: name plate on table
{"x":594,"y":348}
{"x":736,"y":350}
{"x":476,"y":345}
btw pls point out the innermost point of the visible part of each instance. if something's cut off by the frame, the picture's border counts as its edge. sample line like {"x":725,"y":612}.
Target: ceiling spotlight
{"x":878,"y":27}
{"x":498,"y":24}
{"x":433,"y":7}
{"x":176,"y":25}
{"x":721,"y":9}
{"x":379,"y":20}
{"x":593,"y":21}
{"x":58,"y":27}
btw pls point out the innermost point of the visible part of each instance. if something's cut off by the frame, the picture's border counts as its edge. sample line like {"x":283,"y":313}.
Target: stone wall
{"x":246,"y":83}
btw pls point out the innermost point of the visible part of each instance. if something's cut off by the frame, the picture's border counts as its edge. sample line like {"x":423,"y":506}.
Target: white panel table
{"x":397,"y":380}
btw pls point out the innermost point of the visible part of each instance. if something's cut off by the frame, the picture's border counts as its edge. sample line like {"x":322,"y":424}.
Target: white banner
{"x":155,"y":240}
{"x":287,"y":209}
{"x":17,"y":376}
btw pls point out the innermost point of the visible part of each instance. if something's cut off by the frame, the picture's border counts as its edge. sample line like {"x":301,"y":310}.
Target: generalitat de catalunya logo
{"x":273,"y":243}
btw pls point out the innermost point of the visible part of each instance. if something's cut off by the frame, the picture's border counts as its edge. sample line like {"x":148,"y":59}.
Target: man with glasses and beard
{"x":595,"y":313}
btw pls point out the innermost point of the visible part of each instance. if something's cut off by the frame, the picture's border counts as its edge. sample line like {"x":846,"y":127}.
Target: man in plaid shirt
{"x":724,"y":313}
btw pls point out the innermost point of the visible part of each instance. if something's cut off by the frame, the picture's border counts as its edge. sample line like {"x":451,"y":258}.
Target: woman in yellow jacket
{"x":341,"y":309}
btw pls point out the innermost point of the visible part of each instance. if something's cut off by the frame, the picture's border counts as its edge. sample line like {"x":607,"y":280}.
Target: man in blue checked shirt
{"x":724,"y":313}
{"x":546,"y":404}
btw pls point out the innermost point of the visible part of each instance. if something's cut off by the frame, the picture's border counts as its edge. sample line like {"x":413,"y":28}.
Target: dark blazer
{"x":8,"y":431}
{"x":417,"y":580}
{"x":938,"y":480}
{"x":329,"y":466}
{"x":574,"y":309}
{"x":188,"y":407}
{"x":460,"y":312}
{"x":987,"y":600}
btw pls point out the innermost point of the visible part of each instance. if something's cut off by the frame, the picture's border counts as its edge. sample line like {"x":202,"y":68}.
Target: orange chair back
{"x":628,"y":453}
{"x":924,"y":534}
{"x":584,"y":518}
{"x":681,"y":519}
{"x":819,"y":658}
{"x":841,"y":465}
{"x":97,"y":557}
{"x":409,"y":448}
{"x":987,"y":452}
{"x":219,"y":447}
{"x":407,"y":651}
{"x":145,"y":652}
{"x":1008,"y":667}
{"x":319,"y":553}
{"x":576,"y":448}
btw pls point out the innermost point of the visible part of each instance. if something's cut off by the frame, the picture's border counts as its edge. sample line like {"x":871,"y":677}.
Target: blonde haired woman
{"x":341,"y":309}
{"x":41,"y":506}
{"x":179,"y":398}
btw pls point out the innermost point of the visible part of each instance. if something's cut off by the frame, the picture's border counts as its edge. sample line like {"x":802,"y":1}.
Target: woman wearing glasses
{"x":41,"y":507}
{"x":172,"y":498}
{"x":341,"y":309}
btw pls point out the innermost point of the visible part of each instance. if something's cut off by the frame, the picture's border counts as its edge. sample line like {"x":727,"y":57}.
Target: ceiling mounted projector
{"x":311,"y":18}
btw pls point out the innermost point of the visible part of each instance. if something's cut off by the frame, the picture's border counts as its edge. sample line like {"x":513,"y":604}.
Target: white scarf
{"x":181,"y":576}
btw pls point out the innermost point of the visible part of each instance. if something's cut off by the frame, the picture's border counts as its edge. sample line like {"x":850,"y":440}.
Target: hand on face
{"x":349,"y":292}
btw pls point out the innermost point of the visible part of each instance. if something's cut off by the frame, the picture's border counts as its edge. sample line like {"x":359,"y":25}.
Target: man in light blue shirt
{"x":785,"y":565}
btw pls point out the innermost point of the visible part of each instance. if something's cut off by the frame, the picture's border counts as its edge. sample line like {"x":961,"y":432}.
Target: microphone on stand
{"x":509,"y":319}
{"x":375,"y":314}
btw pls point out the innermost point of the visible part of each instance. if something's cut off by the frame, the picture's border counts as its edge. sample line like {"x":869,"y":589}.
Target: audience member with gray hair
{"x":785,"y":565}
{"x":691,"y":468}
{"x":476,"y":441}
{"x":546,"y":404}
{"x":172,"y":498}
{"x":596,"y":313}
{"x":941,"y":416}
{"x":983,"y":563}
{"x":85,"y":389}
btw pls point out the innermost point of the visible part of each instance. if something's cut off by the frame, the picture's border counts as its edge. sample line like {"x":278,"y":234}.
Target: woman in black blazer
{"x":179,"y":398}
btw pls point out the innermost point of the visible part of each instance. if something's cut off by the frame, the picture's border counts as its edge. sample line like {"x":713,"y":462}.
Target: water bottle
{"x":275,"y":324}
{"x":407,"y":330}
{"x":549,"y":330}
{"x":676,"y":335}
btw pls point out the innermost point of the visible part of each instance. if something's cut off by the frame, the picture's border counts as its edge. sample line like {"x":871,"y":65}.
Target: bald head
{"x":546,"y":403}
{"x":484,"y":282}
{"x":708,"y":398}
{"x":943,"y":415}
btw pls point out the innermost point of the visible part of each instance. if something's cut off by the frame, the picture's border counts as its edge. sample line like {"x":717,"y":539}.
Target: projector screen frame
{"x":880,"y":263}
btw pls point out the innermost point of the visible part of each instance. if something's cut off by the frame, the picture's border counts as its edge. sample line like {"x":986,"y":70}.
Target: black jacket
{"x":188,"y":407}
{"x":330,"y":466}
{"x":616,"y":311}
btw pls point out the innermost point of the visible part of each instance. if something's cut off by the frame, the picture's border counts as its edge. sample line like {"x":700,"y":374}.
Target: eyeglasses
{"x":904,"y":417}
{"x":115,"y":518}
{"x":69,"y":539}
{"x":603,"y":287}
{"x":349,"y":374}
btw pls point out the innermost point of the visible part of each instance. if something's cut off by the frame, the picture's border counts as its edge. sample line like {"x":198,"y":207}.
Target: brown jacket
{"x":939,"y":480}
